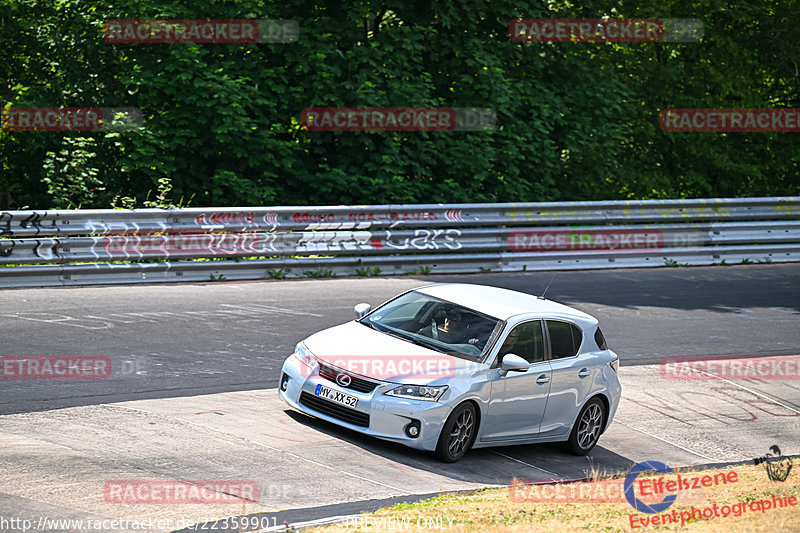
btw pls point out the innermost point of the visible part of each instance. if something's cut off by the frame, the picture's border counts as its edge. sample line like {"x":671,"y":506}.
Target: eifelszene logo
{"x":776,"y":465}
{"x":636,"y":503}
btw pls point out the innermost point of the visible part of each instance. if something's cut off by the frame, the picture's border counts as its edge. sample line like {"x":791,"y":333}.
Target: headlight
{"x":417,"y":392}
{"x":305,"y":356}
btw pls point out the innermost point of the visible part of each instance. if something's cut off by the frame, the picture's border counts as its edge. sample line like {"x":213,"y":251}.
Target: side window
{"x":600,"y":340}
{"x":526,"y":341}
{"x":577,"y":337}
{"x":565,"y":338}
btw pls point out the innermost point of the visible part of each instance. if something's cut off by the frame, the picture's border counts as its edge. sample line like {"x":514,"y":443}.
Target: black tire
{"x":587,"y":428}
{"x":458,"y":434}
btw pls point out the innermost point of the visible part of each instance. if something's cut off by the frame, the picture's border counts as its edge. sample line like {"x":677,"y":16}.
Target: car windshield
{"x":436,"y":324}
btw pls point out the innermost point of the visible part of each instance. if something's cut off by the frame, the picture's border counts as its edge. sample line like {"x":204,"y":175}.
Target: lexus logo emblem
{"x":343,"y":380}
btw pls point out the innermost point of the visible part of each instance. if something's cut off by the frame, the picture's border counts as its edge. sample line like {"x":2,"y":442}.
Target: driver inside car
{"x":452,"y":330}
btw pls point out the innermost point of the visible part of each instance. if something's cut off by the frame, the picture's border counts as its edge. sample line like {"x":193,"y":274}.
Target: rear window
{"x":565,"y":338}
{"x":600,"y":340}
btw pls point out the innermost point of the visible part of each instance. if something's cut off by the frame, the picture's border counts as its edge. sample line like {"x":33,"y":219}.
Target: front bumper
{"x":381,"y":416}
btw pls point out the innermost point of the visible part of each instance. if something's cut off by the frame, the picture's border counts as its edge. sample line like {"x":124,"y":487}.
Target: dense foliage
{"x":575,"y":121}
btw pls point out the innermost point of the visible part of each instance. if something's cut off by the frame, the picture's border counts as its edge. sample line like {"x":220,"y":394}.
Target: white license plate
{"x":336,"y":396}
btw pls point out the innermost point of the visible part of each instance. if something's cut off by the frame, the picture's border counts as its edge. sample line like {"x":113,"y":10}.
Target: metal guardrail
{"x":125,"y":246}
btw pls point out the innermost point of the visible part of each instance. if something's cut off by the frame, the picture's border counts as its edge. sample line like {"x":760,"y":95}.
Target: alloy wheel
{"x":589,"y":426}
{"x":461,"y":433}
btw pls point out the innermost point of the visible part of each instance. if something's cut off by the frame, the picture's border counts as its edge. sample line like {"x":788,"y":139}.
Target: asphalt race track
{"x":191,"y":395}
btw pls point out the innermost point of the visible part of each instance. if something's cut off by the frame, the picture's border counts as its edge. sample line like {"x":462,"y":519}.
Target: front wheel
{"x":588,"y":426}
{"x":457,"y":434}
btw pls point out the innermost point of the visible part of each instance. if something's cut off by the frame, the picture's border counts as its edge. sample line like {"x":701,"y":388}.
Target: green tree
{"x":575,"y":121}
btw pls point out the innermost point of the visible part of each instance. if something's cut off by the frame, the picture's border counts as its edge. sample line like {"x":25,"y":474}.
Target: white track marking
{"x":329,"y":467}
{"x":776,"y":402}
{"x":668,"y":442}
{"x":526,"y":464}
{"x":265,"y":446}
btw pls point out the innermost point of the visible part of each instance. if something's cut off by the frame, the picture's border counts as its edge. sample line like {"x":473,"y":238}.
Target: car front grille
{"x":357,"y":384}
{"x":345,"y":414}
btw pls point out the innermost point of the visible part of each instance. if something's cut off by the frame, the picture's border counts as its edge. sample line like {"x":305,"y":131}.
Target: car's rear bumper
{"x":614,"y":392}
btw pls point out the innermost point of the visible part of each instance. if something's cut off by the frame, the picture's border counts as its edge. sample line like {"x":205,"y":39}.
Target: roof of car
{"x":500,"y":303}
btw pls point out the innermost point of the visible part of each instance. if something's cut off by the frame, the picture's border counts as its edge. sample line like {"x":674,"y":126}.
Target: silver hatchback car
{"x":450,"y":367}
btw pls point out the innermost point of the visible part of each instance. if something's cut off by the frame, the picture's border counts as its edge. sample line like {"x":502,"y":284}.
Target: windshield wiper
{"x":371,"y":325}
{"x":419,"y":342}
{"x":398,"y":335}
{"x":430,"y":345}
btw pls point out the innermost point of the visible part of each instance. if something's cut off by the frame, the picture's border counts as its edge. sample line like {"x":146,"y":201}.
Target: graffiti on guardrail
{"x":370,"y":216}
{"x":33,"y":220}
{"x":7,"y":248}
{"x":221,"y":219}
{"x":621,"y":213}
{"x":278,"y":241}
{"x":185,"y":245}
{"x":532,"y":215}
{"x":425,"y":239}
{"x":421,"y":239}
{"x":335,"y":240}
{"x":5,"y":223}
{"x":671,"y":212}
{"x":46,"y":249}
{"x":111,"y":227}
{"x":787,"y":209}
{"x":313,"y":217}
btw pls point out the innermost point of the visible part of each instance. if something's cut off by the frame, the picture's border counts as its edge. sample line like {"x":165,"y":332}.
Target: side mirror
{"x":361,"y":310}
{"x":513,"y":363}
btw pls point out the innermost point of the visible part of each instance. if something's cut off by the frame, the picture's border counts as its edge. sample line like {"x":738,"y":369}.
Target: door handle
{"x":541,"y":380}
{"x":584,"y":372}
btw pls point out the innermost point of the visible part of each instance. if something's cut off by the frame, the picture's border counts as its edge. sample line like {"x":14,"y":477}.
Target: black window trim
{"x":548,"y":349}
{"x":597,"y":331}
